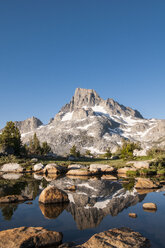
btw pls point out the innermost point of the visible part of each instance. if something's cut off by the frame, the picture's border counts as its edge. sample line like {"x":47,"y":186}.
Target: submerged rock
{"x":28,"y":237}
{"x":117,"y":238}
{"x":51,"y":194}
{"x":132,"y":215}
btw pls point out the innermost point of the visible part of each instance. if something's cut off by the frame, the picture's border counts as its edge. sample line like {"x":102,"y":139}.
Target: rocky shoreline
{"x":31,"y":237}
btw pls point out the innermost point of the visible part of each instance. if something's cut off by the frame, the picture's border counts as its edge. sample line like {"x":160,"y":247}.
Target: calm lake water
{"x":98,"y":204}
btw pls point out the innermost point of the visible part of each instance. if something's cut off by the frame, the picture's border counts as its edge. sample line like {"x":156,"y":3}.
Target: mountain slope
{"x":92,"y":123}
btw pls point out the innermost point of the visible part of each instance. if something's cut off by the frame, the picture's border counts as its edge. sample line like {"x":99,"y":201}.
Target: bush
{"x":161,"y":172}
{"x":128,"y":148}
{"x":156,"y":152}
{"x":132,"y":173}
{"x":108,"y":153}
{"x":74,"y":152}
{"x":147,"y":172}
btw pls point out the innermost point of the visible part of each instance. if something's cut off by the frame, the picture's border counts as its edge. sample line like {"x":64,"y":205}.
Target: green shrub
{"x":128,"y":148}
{"x":147,"y":172}
{"x":161,"y":172}
{"x":132,"y":173}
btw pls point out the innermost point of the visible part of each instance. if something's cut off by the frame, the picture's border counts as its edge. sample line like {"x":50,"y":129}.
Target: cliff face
{"x":92,"y":123}
{"x":28,"y":125}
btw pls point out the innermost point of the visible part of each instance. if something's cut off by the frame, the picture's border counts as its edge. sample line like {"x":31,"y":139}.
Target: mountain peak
{"x":85,"y":97}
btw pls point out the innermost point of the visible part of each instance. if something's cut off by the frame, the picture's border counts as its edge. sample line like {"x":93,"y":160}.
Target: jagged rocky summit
{"x":92,"y":123}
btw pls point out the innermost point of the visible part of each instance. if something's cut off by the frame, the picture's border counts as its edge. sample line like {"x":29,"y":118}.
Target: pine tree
{"x":34,"y":145}
{"x":10,"y":139}
{"x":73,"y":151}
{"x":108,"y":153}
{"x":45,"y":148}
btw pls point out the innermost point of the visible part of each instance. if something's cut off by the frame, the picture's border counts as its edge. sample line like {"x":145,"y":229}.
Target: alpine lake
{"x":97,"y":204}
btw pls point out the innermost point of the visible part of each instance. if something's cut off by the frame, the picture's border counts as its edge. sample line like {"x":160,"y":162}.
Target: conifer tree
{"x":10,"y":139}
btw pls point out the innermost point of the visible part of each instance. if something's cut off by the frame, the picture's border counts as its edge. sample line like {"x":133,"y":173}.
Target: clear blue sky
{"x":50,"y":47}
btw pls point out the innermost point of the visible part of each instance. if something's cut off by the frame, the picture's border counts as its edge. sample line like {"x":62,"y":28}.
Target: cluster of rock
{"x":30,"y":237}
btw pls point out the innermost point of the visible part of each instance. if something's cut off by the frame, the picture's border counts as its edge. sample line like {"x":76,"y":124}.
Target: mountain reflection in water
{"x":94,"y":199}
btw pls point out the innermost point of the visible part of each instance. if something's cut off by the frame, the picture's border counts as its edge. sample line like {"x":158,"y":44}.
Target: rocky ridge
{"x":92,"y":123}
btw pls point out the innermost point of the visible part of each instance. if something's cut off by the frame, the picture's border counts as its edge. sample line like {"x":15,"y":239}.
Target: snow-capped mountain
{"x":94,"y":124}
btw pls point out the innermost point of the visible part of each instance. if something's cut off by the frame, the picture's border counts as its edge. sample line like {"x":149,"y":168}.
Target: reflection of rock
{"x":78,"y":177}
{"x":51,"y":177}
{"x":94,"y":199}
{"x":145,"y":191}
{"x":29,"y":237}
{"x":37,"y":176}
{"x":11,"y":176}
{"x":52,"y":195}
{"x":109,"y":177}
{"x":52,"y":211}
{"x":14,"y":198}
{"x":117,"y":238}
{"x":145,"y":183}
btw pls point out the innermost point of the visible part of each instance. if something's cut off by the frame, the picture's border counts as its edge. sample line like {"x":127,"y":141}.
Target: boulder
{"x":115,"y":157}
{"x":150,"y":206}
{"x":125,"y":169}
{"x":117,"y":238}
{"x":14,"y":198}
{"x":29,"y":237}
{"x":140,"y":164}
{"x":38,"y":167}
{"x":79,"y":172}
{"x":12,"y":167}
{"x":34,"y":160}
{"x":76,"y":166}
{"x":101,"y":168}
{"x":54,"y":169}
{"x":145,"y":183}
{"x":52,"y":195}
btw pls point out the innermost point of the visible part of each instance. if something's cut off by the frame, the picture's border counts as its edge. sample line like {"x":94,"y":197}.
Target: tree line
{"x":10,"y":142}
